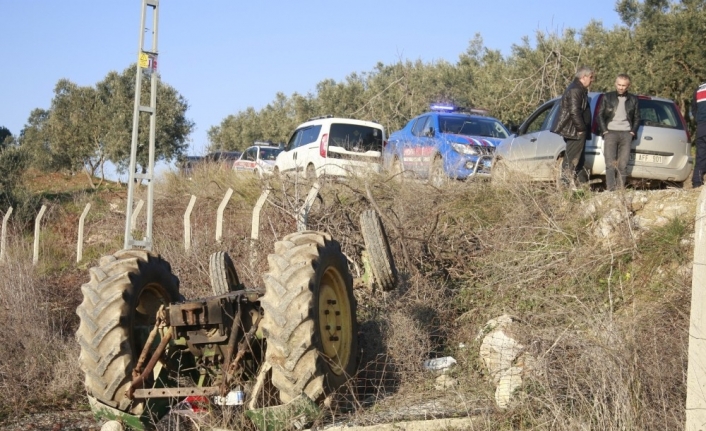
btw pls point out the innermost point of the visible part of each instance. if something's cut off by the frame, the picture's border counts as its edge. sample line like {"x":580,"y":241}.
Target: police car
{"x":446,"y":143}
{"x":258,"y":159}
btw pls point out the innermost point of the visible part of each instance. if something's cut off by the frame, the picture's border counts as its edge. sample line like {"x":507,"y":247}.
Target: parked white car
{"x":258,"y":160}
{"x":660,"y":153}
{"x":332,"y":146}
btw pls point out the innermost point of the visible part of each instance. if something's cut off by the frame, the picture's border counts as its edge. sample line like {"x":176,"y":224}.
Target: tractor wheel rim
{"x":335,"y":320}
{"x":149,"y":301}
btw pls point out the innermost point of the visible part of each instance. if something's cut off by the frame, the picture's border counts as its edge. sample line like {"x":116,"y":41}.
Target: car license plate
{"x":646,"y":158}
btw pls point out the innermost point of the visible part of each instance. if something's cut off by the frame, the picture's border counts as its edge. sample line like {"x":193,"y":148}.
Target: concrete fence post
{"x":304,"y":211}
{"x":3,"y":234}
{"x":255,"y":229}
{"x":187,"y":223}
{"x":79,"y":244}
{"x":37,"y":230}
{"x":135,"y":213}
{"x":696,"y":368}
{"x":219,"y":217}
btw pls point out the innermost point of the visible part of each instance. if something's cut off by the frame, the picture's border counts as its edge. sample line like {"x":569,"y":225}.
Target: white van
{"x":332,"y":146}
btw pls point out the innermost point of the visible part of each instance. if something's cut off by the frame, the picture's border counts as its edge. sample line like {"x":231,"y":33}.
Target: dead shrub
{"x":38,"y":366}
{"x":607,"y":324}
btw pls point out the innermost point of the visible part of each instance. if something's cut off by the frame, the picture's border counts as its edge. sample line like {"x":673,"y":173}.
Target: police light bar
{"x":443,"y":107}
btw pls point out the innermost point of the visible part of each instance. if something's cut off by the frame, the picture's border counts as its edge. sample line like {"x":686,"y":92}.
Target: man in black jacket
{"x":572,"y":123}
{"x":618,"y":120}
{"x":698,"y":109}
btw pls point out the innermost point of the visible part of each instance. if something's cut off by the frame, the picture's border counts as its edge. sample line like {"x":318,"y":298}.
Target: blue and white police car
{"x":446,"y":143}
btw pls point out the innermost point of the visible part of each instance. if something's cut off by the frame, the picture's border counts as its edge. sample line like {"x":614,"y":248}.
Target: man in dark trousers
{"x":698,"y":108}
{"x":573,"y":124}
{"x":618,"y":120}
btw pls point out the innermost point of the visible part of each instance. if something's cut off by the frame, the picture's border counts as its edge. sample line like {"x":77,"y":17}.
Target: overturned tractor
{"x":144,"y":348}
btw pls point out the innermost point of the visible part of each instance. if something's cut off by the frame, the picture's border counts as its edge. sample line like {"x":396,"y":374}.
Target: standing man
{"x":698,"y":109}
{"x":618,"y":120}
{"x":573,"y":124}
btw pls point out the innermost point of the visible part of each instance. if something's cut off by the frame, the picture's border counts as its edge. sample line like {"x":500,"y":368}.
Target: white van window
{"x":354,"y":137}
{"x":303,"y":136}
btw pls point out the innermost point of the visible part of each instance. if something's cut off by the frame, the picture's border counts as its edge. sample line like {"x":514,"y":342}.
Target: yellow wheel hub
{"x":335,"y":320}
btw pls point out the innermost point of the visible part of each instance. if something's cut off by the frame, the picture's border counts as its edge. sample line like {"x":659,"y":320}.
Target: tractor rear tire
{"x":224,"y":277}
{"x":378,"y":247}
{"x":119,"y":309}
{"x":309,"y":318}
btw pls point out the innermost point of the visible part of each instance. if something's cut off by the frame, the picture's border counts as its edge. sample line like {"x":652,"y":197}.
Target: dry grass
{"x":607,"y":324}
{"x":38,"y":367}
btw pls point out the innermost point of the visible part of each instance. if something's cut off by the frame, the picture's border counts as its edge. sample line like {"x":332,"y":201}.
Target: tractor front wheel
{"x":378,"y":247}
{"x":224,"y":277}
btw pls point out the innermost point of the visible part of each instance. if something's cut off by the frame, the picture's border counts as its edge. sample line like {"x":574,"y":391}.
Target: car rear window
{"x":269,"y":153}
{"x":355,"y":137}
{"x":659,"y":113}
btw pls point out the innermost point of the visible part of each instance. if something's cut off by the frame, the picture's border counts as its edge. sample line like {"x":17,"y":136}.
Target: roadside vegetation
{"x":606,"y":321}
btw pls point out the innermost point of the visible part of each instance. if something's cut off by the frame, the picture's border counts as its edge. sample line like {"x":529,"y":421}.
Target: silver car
{"x":661,"y":152}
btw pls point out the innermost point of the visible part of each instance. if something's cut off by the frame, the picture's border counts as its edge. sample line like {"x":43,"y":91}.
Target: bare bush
{"x":38,"y":366}
{"x":606,"y":320}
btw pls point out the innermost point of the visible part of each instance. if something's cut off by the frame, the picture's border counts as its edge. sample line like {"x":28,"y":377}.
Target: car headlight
{"x":465,"y":149}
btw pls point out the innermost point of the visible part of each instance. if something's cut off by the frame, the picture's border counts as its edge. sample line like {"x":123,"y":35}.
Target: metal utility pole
{"x":146,"y":64}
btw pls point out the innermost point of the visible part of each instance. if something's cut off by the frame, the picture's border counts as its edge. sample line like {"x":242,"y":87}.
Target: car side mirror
{"x":513,"y":128}
{"x":430,"y":132}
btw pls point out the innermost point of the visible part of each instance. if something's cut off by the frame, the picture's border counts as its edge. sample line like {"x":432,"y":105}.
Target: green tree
{"x":173,"y":127}
{"x":5,"y":134}
{"x":668,"y":39}
{"x":13,"y":162}
{"x":87,"y":126}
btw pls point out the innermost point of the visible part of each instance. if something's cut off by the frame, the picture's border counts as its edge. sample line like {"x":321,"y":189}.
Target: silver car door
{"x":523,"y":148}
{"x":549,"y":145}
{"x":661,"y":140}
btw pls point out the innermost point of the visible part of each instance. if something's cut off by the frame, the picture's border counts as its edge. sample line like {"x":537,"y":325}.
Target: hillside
{"x":598,"y":284}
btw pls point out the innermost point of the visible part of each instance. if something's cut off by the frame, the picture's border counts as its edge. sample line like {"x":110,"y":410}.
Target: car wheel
{"x":560,"y":180}
{"x":397,"y":171}
{"x":310,"y":172}
{"x":500,"y":172}
{"x":437,"y":175}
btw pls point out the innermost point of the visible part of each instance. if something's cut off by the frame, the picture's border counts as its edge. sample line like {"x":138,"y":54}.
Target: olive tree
{"x":85,"y":127}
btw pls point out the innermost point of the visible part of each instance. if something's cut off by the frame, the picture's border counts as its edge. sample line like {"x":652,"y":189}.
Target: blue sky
{"x":226,"y":55}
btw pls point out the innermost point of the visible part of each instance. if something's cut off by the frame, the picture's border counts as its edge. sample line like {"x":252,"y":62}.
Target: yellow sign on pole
{"x":144,"y":61}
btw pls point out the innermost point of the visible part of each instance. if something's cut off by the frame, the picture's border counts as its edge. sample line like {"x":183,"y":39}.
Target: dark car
{"x":225,"y":158}
{"x":186,"y":166}
{"x":446,"y":143}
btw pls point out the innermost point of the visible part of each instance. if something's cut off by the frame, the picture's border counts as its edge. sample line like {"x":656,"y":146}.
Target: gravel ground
{"x":54,"y":421}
